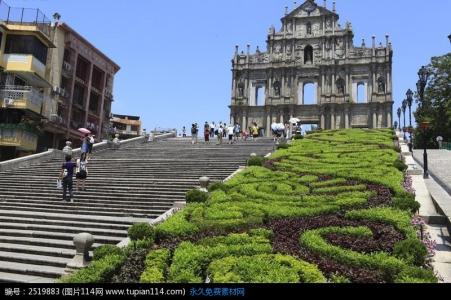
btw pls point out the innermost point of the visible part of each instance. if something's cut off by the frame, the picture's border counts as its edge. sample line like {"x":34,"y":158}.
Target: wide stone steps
{"x":41,"y":242}
{"x":62,"y":223}
{"x":20,"y":278}
{"x":65,"y":229}
{"x":30,"y":269}
{"x":34,"y":259}
{"x":124,"y":186}
{"x":37,"y":250}
{"x":66,"y":217}
{"x":35,"y":193}
{"x":159,"y":203}
{"x":56,"y":235}
{"x":75,"y":210}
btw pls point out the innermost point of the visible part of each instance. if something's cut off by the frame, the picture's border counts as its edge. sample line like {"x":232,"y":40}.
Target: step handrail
{"x":50,"y":154}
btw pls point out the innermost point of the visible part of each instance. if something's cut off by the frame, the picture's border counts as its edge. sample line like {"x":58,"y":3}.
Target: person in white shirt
{"x":230,"y":132}
{"x":220,"y":132}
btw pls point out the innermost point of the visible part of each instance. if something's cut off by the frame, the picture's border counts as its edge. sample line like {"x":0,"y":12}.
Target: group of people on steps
{"x":80,"y":166}
{"x":221,"y":131}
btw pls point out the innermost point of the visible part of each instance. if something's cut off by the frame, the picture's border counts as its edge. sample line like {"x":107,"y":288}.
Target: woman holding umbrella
{"x":85,"y":140}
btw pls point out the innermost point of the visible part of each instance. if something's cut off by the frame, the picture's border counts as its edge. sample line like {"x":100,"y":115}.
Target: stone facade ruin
{"x":313,"y":49}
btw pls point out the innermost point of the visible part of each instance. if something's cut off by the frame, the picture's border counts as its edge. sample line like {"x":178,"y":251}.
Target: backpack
{"x":83,"y":166}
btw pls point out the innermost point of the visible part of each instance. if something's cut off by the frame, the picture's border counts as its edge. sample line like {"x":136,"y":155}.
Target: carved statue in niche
{"x":289,"y":49}
{"x":340,"y":86}
{"x":277,"y":48}
{"x":309,"y":28}
{"x":276,"y":86}
{"x":381,"y":85}
{"x":328,"y":23}
{"x":241,"y":89}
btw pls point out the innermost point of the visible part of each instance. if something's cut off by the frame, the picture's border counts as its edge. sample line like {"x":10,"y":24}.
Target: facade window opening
{"x":260,"y":95}
{"x":361,"y":93}
{"x":308,"y":55}
{"x":309,"y":94}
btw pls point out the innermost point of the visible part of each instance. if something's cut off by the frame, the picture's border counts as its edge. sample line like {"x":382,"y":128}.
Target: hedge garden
{"x":333,"y":207}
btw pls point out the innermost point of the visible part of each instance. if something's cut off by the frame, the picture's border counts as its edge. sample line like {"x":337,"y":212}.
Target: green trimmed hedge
{"x":141,"y":231}
{"x":156,"y":265}
{"x":263,"y":269}
{"x":105,"y":250}
{"x":196,"y":196}
{"x":99,"y":271}
{"x":392,"y":267}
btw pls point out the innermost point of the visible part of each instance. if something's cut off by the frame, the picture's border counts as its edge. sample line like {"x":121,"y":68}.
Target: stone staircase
{"x":132,"y":184}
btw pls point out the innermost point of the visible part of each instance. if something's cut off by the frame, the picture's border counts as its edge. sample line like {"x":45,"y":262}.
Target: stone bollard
{"x":150,"y":138}
{"x":204,"y":182}
{"x":83,"y":243}
{"x":116,"y":143}
{"x":179,"y":205}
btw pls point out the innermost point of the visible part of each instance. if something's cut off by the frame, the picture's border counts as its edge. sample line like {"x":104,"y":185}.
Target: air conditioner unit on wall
{"x":8,"y":102}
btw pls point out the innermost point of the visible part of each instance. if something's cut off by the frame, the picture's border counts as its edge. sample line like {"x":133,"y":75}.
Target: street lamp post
{"x":425,"y":127}
{"x":409,"y":95}
{"x":399,"y":118}
{"x":423,"y":75}
{"x":404,"y":106}
{"x":409,"y":99}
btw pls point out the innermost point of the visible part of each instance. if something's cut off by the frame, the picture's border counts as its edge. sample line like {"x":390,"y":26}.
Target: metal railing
{"x":25,"y":16}
{"x":446,"y":146}
{"x":17,"y":92}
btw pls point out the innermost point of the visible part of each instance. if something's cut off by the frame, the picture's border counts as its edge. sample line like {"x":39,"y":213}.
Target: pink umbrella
{"x":84,"y":130}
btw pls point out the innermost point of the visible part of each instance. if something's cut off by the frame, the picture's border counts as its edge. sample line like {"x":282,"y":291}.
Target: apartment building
{"x":82,"y":80}
{"x":126,"y":126}
{"x":52,"y":82}
{"x":25,"y":36}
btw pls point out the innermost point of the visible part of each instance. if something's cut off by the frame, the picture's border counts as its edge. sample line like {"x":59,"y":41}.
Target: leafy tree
{"x":436,"y":105}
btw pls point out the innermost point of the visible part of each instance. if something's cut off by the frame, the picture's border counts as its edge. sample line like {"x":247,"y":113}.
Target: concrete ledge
{"x":38,"y":158}
{"x":27,"y":161}
{"x":154,"y":222}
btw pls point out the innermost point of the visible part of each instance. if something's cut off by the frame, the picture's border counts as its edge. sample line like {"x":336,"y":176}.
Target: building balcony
{"x":18,"y":135}
{"x":28,"y":67}
{"x":21,"y":97}
{"x":25,"y":19}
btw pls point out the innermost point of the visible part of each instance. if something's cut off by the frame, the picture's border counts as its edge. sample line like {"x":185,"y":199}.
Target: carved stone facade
{"x":312,"y":48}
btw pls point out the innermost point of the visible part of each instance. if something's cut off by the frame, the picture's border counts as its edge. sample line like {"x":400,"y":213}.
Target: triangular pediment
{"x":307,"y":9}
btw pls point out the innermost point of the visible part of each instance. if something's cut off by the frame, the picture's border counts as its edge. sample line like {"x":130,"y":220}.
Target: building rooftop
{"x":134,"y":118}
{"x":25,"y":16}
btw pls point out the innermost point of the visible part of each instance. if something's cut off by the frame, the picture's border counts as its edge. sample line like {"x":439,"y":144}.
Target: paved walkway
{"x":439,"y":162}
{"x":431,"y":195}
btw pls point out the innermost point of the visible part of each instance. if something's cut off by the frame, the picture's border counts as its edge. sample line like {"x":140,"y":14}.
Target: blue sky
{"x":175,"y":55}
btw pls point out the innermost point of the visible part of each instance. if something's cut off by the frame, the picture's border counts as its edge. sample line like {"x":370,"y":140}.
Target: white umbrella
{"x":294,"y":120}
{"x":277,"y":126}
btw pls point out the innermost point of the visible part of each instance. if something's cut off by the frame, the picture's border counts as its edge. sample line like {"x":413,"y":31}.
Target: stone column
{"x":374,"y":118}
{"x":300,"y":93}
{"x":88,"y":98}
{"x":323,"y":120}
{"x":389,"y":118}
{"x":332,"y":119}
{"x":268,"y":122}
{"x":347,"y":118}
